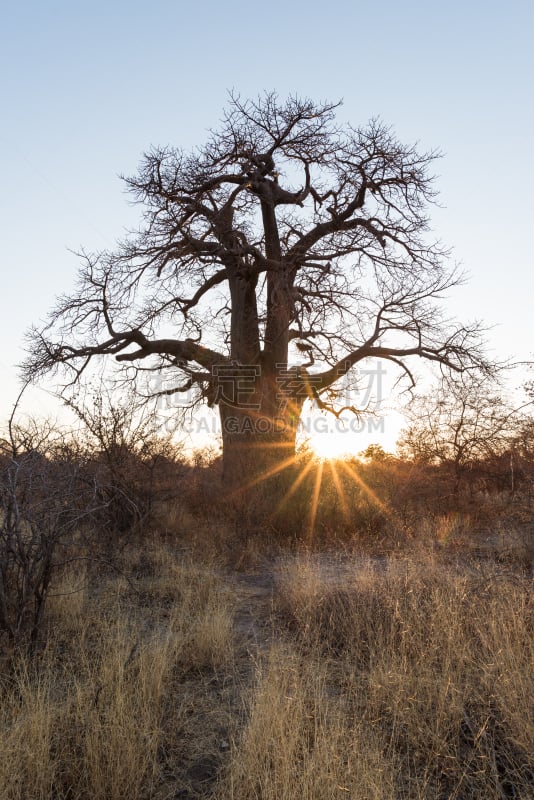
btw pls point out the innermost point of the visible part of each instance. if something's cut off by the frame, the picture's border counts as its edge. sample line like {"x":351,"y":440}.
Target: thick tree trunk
{"x":258,"y":453}
{"x":256,"y":448}
{"x":259,"y":412}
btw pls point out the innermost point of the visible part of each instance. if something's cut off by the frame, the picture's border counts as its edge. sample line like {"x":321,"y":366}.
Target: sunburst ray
{"x":295,"y":485}
{"x":315,"y":500}
{"x":332,"y":464}
{"x":367,"y":489}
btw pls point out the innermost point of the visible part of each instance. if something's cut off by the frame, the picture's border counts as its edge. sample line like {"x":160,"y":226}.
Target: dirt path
{"x":253,"y":617}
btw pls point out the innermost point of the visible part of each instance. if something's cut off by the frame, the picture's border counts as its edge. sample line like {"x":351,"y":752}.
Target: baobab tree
{"x":269,"y":263}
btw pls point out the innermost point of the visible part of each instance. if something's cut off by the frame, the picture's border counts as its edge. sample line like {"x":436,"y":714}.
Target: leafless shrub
{"x":45,"y":499}
{"x":132,"y":464}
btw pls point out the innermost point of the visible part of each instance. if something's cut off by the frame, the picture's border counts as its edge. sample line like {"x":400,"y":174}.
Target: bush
{"x":45,"y":500}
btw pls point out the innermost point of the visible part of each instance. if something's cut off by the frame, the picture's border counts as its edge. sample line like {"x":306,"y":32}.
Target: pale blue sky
{"x":86,"y":87}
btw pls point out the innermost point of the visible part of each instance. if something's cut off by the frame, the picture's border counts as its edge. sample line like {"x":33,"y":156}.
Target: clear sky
{"x":85,"y":87}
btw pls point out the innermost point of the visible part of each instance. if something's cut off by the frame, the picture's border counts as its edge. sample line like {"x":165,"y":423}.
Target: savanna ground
{"x":379,"y":654}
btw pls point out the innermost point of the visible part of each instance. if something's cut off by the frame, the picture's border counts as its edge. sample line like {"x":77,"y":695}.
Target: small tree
{"x":460,"y":423}
{"x":375,"y":452}
{"x":271,"y":261}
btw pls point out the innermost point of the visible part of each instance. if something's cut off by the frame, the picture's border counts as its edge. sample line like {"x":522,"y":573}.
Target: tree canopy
{"x":269,"y":262}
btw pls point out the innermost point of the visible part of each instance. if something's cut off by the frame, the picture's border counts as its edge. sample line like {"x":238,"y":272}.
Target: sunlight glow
{"x":326,"y":463}
{"x":331,"y":444}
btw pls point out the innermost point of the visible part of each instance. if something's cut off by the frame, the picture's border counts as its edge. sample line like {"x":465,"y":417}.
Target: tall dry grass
{"x":413,"y":681}
{"x":377,"y":679}
{"x":104,"y":711}
{"x":301,"y":739}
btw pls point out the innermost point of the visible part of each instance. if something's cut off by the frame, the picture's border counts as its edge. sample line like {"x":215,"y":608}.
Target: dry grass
{"x":301,"y":739}
{"x":105,"y":710}
{"x":420,"y":676}
{"x":406,"y":679}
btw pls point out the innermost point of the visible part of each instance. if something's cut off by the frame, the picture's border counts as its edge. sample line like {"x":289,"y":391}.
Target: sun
{"x":331,"y":437}
{"x":331,"y":444}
